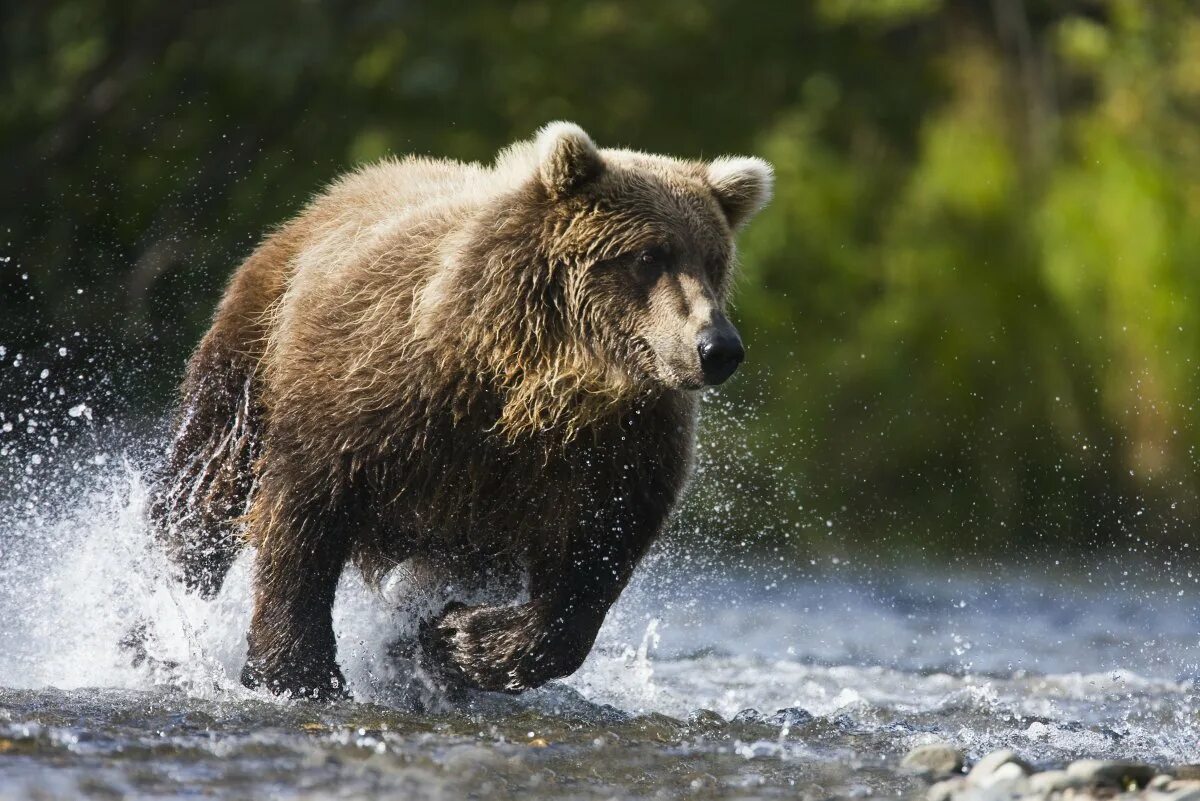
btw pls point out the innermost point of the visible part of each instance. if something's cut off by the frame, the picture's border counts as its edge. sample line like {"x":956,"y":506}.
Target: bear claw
{"x":437,"y":642}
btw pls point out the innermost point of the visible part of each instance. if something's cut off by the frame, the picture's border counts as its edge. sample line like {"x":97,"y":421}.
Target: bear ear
{"x":567,"y":158}
{"x":742,"y":186}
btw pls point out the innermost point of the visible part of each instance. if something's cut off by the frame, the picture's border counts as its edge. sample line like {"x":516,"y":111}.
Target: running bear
{"x":474,"y":367}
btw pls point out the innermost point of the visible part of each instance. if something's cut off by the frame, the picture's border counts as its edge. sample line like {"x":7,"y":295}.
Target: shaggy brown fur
{"x":464,"y":364}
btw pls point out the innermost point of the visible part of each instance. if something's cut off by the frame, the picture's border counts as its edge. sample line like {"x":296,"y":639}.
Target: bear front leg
{"x":516,"y":648}
{"x":508,"y":648}
{"x":292,"y":648}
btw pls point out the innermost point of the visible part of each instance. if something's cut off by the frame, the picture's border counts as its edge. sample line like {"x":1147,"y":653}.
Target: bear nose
{"x":721,"y":352}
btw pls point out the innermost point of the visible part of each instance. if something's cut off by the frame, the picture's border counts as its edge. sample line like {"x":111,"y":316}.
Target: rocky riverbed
{"x":1003,"y":775}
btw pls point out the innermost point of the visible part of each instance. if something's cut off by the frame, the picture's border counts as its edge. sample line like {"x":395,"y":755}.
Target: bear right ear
{"x":742,"y":186}
{"x":567,"y":158}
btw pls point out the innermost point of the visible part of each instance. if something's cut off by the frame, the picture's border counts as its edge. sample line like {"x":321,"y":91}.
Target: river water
{"x":716,"y":676}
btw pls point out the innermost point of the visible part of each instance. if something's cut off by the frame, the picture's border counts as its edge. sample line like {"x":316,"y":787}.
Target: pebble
{"x":706,"y":720}
{"x":981,"y":774}
{"x":1052,"y":781}
{"x":659,"y":726}
{"x":1110,"y":772}
{"x":1003,"y":776}
{"x":748,"y":715}
{"x":933,"y":760}
{"x":947,"y":789}
{"x":791,"y":716}
{"x":1008,"y":773}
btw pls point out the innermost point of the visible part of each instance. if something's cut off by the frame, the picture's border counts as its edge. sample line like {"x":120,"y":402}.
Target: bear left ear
{"x":567,"y":158}
{"x":742,"y":186}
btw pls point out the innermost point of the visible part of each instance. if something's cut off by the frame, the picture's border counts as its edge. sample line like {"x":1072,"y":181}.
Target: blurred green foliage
{"x":971,"y":310}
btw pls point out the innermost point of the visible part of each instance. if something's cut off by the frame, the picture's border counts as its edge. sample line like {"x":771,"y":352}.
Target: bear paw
{"x":312,"y":682}
{"x":500,"y":648}
{"x":486,"y":648}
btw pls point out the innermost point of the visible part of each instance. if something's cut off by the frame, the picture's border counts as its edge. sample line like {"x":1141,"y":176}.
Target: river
{"x":717,"y":675}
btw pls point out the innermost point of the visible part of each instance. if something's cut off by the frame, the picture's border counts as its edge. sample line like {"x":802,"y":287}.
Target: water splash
{"x":1055,"y":664}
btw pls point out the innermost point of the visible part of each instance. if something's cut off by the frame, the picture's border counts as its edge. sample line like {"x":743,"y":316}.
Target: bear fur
{"x":466,"y":365}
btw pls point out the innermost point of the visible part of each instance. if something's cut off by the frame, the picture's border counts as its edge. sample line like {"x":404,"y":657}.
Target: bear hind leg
{"x":292,"y":647}
{"x":208,"y":480}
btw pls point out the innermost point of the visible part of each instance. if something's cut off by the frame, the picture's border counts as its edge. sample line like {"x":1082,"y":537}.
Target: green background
{"x":971,"y":310}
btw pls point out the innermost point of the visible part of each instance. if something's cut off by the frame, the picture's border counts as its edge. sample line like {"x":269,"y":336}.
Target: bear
{"x":486,"y":369}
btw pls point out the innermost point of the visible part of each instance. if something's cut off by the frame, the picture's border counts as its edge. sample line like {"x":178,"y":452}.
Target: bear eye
{"x":654,"y":256}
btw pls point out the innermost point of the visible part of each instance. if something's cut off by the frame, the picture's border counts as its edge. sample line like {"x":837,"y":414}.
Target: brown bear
{"x":470,"y":366}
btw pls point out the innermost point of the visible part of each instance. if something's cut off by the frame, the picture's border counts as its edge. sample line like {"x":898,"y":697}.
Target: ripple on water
{"x":867,"y":664}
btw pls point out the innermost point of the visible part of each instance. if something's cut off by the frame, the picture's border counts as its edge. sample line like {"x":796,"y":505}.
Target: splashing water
{"x":728,"y":675}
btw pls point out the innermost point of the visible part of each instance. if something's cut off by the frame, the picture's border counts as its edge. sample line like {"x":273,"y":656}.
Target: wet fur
{"x":433,"y":360}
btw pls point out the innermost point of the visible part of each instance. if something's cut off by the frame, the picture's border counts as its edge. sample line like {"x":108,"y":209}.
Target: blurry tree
{"x":971,"y":310}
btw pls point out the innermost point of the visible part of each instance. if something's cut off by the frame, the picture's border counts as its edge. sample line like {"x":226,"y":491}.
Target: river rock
{"x":933,"y":760}
{"x":1110,"y":772}
{"x":706,"y":720}
{"x":947,"y":789}
{"x":1052,"y":781}
{"x":749,"y":715}
{"x":791,"y":716}
{"x":981,"y":774}
{"x":658,"y":726}
{"x":707,"y":716}
{"x":1010,"y":775}
{"x":1176,"y":786}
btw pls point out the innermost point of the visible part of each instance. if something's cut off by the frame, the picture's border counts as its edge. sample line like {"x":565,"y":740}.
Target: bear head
{"x":603,"y":273}
{"x":643,"y":248}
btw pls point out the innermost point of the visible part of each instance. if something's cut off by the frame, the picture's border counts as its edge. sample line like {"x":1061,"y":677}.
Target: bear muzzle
{"x":721,"y":351}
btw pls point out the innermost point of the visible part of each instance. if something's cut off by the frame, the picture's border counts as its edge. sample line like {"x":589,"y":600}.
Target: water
{"x":865,"y":660}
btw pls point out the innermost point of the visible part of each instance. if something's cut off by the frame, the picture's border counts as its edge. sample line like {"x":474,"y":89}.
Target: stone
{"x":748,"y":715}
{"x":992,"y":762}
{"x":706,"y":720}
{"x":658,"y":726}
{"x":1172,"y":790}
{"x":791,"y":716}
{"x":706,"y":716}
{"x":1011,"y":775}
{"x":947,"y":789}
{"x":933,"y":760}
{"x":1052,"y":781}
{"x":1183,"y":784}
{"x":1111,"y":772}
{"x":1160,"y":781}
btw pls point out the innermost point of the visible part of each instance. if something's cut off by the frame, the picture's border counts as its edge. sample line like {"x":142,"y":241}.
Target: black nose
{"x":721,"y":352}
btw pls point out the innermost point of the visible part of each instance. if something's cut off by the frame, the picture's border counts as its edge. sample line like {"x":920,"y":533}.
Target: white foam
{"x":78,"y":569}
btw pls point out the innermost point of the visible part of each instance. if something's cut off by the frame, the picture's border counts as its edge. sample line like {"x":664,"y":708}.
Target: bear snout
{"x":721,"y":351}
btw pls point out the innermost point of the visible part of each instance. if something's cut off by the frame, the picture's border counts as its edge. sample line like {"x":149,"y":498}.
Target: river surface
{"x":716,"y":676}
